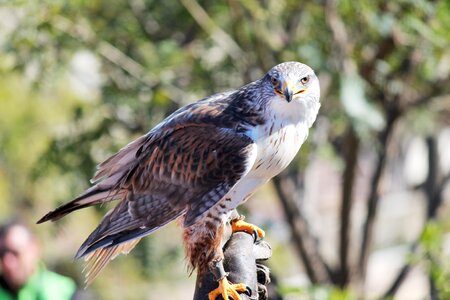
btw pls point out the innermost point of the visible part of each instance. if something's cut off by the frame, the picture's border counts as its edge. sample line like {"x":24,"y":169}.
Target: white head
{"x":294,"y":88}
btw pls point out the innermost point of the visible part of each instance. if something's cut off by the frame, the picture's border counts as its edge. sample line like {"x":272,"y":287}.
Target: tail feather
{"x":92,"y":249}
{"x":120,"y":229}
{"x":130,"y":220}
{"x":117,"y":233}
{"x":91,"y":197}
{"x":102,"y":192}
{"x":97,"y":260}
{"x":109,"y":175}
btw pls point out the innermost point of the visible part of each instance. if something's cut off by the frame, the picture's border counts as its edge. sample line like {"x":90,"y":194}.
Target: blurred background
{"x":364,"y":209}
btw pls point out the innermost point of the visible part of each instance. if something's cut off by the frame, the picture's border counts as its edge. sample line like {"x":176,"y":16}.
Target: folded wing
{"x":182,"y":167}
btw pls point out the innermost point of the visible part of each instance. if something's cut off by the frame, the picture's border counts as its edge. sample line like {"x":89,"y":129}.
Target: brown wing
{"x":183,"y":166}
{"x":186,"y":172}
{"x":116,"y":173}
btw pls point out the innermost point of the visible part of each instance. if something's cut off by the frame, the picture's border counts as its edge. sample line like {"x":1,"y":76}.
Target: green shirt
{"x":43,"y":285}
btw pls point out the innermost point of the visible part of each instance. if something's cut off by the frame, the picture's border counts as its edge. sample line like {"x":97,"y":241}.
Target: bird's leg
{"x":225,"y":288}
{"x":240,"y":225}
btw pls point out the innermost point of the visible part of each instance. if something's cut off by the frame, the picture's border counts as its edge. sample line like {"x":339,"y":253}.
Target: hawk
{"x":197,"y":166}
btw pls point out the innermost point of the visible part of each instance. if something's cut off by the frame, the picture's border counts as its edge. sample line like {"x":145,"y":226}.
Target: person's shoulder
{"x":5,"y":291}
{"x":56,"y":277}
{"x":57,"y":286}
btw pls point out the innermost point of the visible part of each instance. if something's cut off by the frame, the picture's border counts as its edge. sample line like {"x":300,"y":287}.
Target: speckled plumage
{"x":199,"y":164}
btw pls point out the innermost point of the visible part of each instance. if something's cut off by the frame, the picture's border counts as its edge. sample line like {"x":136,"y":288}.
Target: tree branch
{"x":316,"y":268}
{"x":261,"y":45}
{"x":433,"y":191}
{"x":113,"y":55}
{"x":401,"y":276}
{"x":105,"y":49}
{"x":372,"y":204}
{"x":220,"y":37}
{"x":351,"y":158}
{"x":144,"y":19}
{"x":343,"y":45}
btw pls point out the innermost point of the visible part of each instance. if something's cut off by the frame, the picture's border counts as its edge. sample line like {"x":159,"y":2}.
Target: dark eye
{"x":304,"y":80}
{"x":274,"y":81}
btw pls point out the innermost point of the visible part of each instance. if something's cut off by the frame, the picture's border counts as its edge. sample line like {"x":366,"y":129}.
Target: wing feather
{"x":185,"y":165}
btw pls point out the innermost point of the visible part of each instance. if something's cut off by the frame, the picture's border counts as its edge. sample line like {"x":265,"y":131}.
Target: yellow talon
{"x":227,"y":289}
{"x":241,"y":225}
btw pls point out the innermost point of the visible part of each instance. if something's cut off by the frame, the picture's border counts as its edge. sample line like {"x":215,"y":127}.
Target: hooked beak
{"x":289,"y":90}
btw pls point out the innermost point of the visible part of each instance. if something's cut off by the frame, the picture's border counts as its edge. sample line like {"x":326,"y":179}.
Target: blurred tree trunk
{"x":351,"y":150}
{"x":372,"y":203}
{"x":316,"y":268}
{"x":433,"y":189}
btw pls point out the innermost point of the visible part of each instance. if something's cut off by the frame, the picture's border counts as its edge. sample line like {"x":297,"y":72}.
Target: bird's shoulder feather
{"x":202,"y":131}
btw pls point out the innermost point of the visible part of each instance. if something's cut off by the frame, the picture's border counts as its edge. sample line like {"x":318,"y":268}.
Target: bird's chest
{"x":277,"y":144}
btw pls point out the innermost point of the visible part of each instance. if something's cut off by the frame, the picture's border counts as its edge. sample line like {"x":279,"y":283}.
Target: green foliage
{"x":317,"y":293}
{"x":435,"y":260}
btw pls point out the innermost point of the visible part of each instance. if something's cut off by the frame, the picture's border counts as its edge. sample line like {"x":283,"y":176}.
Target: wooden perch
{"x":242,"y":257}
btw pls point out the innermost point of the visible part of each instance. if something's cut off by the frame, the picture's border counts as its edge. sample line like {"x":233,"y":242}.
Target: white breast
{"x":277,"y":146}
{"x":280,"y":138}
{"x":277,"y":143}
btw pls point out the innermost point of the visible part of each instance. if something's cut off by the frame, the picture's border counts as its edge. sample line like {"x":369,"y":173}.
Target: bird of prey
{"x":197,"y":166}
